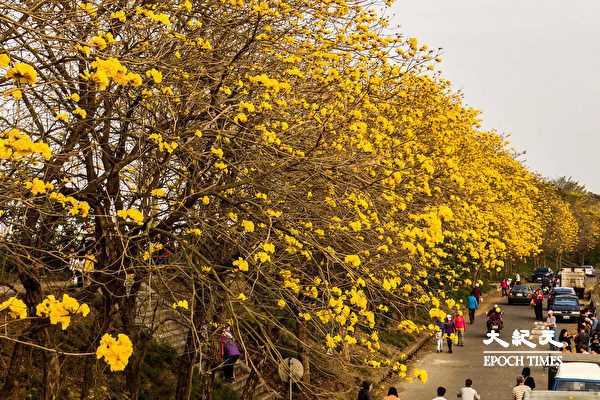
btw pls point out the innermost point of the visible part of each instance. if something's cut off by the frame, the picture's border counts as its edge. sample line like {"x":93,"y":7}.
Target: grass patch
{"x":396,"y":338}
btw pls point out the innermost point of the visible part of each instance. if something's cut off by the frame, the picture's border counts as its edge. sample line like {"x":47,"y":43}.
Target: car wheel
{"x":510,"y":302}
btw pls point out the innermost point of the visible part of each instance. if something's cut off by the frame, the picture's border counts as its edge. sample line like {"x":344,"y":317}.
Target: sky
{"x":531,"y":66}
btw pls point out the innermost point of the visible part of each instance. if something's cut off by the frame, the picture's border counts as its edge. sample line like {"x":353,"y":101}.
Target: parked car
{"x":566,"y":307}
{"x":589,"y":270}
{"x":560,"y":291}
{"x":520,"y":294}
{"x":540,"y":272}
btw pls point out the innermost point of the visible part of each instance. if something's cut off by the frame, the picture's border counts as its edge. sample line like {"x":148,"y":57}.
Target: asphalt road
{"x":491,"y":382}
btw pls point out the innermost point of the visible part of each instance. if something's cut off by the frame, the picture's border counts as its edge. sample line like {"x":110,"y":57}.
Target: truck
{"x":573,"y":277}
{"x":578,"y":372}
{"x":551,"y":395}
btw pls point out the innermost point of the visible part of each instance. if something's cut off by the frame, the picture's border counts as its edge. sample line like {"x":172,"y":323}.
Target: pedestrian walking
{"x":441,"y":391}
{"x":365,"y":392}
{"x":472,"y":305}
{"x":529,"y":381}
{"x":230,"y":354}
{"x":448,"y":330}
{"x":477,"y":293}
{"x":459,"y":323}
{"x":518,"y":278}
{"x":538,"y":303}
{"x":468,"y":393}
{"x":551,"y":324}
{"x":439,"y":335}
{"x":88,"y":266}
{"x":519,"y":391}
{"x":392,"y":394}
{"x":75,"y":266}
{"x":504,"y":286}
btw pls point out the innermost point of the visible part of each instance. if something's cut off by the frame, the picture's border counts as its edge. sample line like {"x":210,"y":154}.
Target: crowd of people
{"x":587,"y":337}
{"x":465,"y":393}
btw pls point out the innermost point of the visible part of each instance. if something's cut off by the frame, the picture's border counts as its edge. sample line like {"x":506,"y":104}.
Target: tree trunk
{"x":252,"y":382}
{"x":51,"y":376}
{"x":133,"y":330}
{"x":186,"y":369}
{"x":10,"y":383}
{"x":303,"y":350}
{"x":134,"y":369}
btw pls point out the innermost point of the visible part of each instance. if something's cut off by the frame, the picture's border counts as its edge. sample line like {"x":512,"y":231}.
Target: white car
{"x":589,"y":270}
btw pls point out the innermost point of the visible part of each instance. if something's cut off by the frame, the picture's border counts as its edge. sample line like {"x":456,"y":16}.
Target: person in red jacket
{"x":538,"y":303}
{"x":461,"y":326}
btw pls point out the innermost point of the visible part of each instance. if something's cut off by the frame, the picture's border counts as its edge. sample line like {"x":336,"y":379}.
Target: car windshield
{"x":563,"y":291}
{"x":541,"y":271}
{"x":520,"y":288}
{"x":566,"y":301}
{"x":579,"y":386}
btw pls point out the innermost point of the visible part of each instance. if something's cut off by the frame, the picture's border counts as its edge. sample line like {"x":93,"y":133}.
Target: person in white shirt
{"x":468,"y":393}
{"x":441,"y":391}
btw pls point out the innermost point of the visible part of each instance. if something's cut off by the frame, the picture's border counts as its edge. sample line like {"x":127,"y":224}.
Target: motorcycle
{"x":545,"y":290}
{"x":494,"y":325}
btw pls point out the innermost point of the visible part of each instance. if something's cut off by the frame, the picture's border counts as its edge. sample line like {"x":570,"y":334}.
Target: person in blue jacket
{"x":473,"y":305}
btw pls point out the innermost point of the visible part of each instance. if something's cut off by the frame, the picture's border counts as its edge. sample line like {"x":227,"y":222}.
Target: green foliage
{"x":395,"y":337}
{"x":158,"y":380}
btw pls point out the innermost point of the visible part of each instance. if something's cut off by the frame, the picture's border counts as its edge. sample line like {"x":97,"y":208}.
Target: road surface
{"x":491,"y":382}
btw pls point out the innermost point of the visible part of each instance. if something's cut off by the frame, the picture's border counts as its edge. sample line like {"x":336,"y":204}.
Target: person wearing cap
{"x":461,"y":325}
{"x":449,"y":329}
{"x":476,"y":292}
{"x":551,"y":324}
{"x":468,"y":393}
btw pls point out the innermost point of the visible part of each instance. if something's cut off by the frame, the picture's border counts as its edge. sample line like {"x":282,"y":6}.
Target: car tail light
{"x":528,"y":294}
{"x":510,"y":295}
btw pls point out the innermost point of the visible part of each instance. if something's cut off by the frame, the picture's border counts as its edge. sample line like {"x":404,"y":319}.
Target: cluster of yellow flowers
{"x":181,"y":304}
{"x":133,"y":214}
{"x":15,"y":145}
{"x":116,"y":352}
{"x":60,"y":312}
{"x":16,"y":308}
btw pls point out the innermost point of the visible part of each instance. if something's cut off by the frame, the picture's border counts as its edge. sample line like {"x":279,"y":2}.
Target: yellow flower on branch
{"x":155,"y":75}
{"x":248,"y":225}
{"x":181,"y":304}
{"x":4,"y":60}
{"x":120,"y":15}
{"x":23,"y":73}
{"x":116,"y":352}
{"x":241,"y":264}
{"x":16,"y":308}
{"x":352,"y":259}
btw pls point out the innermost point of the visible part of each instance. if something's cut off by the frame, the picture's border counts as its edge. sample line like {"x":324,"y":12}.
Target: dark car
{"x":541,"y":272}
{"x":520,"y":294}
{"x":560,"y":291}
{"x":566,"y":307}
